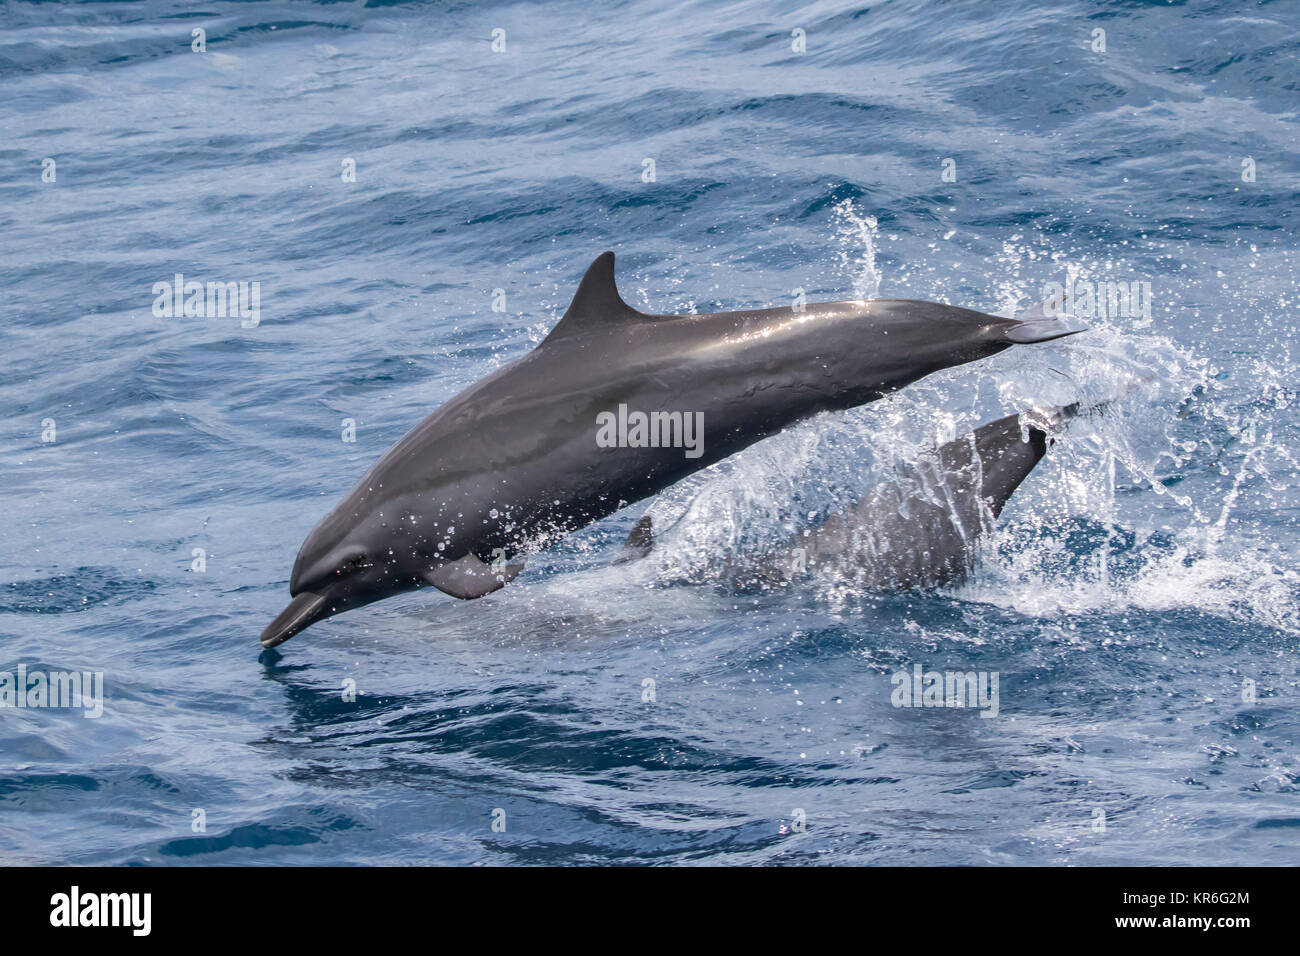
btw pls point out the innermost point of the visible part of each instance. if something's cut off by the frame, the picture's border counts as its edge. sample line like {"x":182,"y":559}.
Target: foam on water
{"x":1151,"y":396}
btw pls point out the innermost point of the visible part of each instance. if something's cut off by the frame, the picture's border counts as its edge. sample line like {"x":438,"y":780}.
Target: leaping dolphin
{"x":613,"y":406}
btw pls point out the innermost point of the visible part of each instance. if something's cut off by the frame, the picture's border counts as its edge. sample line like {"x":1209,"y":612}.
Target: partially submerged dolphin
{"x":613,"y":406}
{"x":919,"y":527}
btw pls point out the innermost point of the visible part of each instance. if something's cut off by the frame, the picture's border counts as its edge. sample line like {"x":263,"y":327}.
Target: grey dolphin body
{"x":517,"y":457}
{"x":920,"y":526}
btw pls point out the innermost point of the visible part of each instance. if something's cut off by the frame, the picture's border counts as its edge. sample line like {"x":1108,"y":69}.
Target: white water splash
{"x":856,"y":232}
{"x":1164,"y":471}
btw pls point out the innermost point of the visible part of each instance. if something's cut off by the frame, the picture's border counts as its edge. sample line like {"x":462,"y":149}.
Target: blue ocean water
{"x":1140,"y":605}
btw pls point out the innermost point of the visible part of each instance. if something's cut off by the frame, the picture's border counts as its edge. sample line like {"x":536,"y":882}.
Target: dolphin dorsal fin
{"x":642,"y":537}
{"x":639,"y":542}
{"x":596,"y":302}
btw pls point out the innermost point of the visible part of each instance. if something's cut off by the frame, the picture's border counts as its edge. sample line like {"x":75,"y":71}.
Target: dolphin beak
{"x":302,"y":612}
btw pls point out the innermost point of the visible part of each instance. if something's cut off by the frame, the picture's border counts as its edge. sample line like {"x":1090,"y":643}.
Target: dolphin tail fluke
{"x":1042,"y":323}
{"x":471,"y":577}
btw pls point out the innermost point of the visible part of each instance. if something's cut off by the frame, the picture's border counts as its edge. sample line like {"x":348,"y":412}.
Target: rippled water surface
{"x":1140,"y":603}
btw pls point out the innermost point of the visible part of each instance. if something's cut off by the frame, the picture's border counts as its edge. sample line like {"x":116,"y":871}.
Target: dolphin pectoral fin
{"x":470,"y":577}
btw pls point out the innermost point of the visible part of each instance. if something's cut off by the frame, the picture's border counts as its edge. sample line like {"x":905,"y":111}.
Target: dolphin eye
{"x":355,"y":563}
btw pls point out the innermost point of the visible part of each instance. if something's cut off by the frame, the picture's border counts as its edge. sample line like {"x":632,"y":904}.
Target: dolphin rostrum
{"x":613,"y":406}
{"x":919,"y":527}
